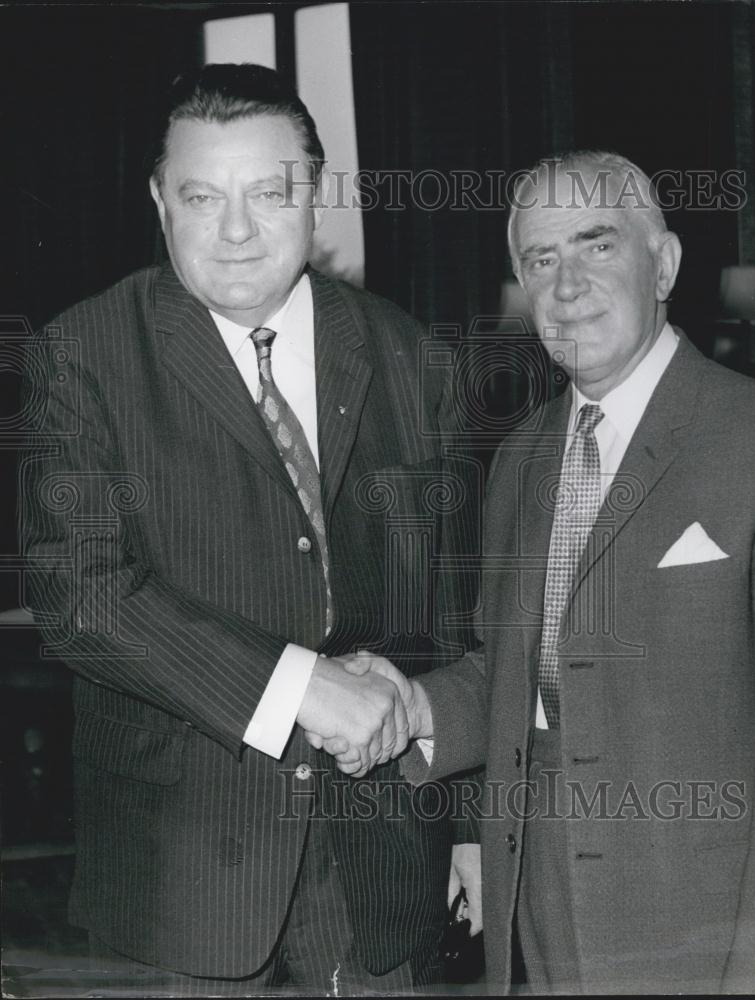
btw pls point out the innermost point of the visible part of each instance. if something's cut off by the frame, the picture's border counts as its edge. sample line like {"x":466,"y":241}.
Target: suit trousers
{"x":314,"y":955}
{"x":544,"y":914}
{"x":316,"y":947}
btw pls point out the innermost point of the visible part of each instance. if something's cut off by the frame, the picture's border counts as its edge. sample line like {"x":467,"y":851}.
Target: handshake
{"x":363,"y":711}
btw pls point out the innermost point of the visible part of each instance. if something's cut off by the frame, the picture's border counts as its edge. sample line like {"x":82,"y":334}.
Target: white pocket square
{"x":694,"y":545}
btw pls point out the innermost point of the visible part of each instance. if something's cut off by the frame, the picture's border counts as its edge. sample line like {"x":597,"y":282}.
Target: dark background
{"x":442,"y":86}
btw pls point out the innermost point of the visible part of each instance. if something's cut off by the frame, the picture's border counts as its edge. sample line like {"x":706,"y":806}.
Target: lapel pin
{"x":342,"y":410}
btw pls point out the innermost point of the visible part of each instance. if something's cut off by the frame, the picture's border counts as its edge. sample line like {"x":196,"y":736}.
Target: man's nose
{"x":571,"y":281}
{"x":237,"y":224}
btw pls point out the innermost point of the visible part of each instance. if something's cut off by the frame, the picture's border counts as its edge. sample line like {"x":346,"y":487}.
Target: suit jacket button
{"x":517,"y":757}
{"x":304,"y":544}
{"x":303,"y":771}
{"x":511,"y":841}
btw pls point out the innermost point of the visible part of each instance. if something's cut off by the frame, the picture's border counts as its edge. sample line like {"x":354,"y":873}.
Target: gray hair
{"x":638,"y":187}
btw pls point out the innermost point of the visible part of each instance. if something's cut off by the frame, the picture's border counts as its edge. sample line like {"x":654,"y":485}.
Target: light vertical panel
{"x":241,"y":39}
{"x":323,"y":70}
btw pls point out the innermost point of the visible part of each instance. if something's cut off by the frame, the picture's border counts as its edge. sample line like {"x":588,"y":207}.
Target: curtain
{"x":428,"y":96}
{"x":450,"y":99}
{"x":78,"y":104}
{"x":77,"y":97}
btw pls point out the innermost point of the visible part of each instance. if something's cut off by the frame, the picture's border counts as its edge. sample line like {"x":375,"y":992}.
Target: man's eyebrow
{"x":593,"y":233}
{"x":267,"y":181}
{"x":190,"y":184}
{"x":537,"y":250}
{"x":583,"y":236}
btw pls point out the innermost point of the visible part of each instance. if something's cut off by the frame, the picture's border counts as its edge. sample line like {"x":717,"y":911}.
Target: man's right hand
{"x":362,"y":710}
{"x":418,"y":711}
{"x":413,"y":701}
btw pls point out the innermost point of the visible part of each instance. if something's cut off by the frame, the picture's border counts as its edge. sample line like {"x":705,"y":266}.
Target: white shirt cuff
{"x":427,"y":746}
{"x":279,"y":705}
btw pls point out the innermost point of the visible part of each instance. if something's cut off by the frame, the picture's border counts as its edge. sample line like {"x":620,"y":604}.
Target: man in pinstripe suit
{"x":174,"y":567}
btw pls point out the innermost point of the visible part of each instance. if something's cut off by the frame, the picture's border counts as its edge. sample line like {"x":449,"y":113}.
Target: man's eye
{"x":199,"y":199}
{"x":601,"y":247}
{"x":540,"y":262}
{"x":271,"y":195}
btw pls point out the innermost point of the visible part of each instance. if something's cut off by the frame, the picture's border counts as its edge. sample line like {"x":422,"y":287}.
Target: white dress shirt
{"x":293,"y":365}
{"x":623,"y":408}
{"x":293,"y":356}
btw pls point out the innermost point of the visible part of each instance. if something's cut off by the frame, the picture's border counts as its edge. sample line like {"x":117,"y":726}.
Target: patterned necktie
{"x":292,"y":445}
{"x":576,"y":509}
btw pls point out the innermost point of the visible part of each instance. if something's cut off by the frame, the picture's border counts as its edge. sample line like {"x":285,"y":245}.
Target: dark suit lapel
{"x":195,"y":353}
{"x":651,"y":452}
{"x":343,"y":375}
{"x":536,"y":502}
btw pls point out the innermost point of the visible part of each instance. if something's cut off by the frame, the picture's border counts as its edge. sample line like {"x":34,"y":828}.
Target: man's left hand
{"x":466,"y":872}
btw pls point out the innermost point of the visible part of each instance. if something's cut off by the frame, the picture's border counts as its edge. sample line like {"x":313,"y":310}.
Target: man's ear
{"x":154,"y":190}
{"x":668,"y":257}
{"x":321,"y":195}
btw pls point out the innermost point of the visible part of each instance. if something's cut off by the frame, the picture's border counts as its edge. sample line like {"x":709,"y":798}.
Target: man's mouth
{"x":567,"y":321}
{"x":237,"y":261}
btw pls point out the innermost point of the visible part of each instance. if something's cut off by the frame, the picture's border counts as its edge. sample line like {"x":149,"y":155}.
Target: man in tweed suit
{"x":191,"y":553}
{"x":618,"y":833}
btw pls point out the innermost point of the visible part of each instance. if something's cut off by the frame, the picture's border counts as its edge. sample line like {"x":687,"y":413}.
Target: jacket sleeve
{"x":459,"y":584}
{"x":459,"y":702}
{"x":90,"y":584}
{"x":740,"y":969}
{"x":739,"y":976}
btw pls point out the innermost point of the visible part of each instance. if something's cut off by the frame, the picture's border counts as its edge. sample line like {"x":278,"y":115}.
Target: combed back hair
{"x":637,"y":190}
{"x":227,"y":92}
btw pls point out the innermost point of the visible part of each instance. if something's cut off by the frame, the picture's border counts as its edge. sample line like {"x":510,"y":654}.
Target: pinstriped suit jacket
{"x":162,"y":530}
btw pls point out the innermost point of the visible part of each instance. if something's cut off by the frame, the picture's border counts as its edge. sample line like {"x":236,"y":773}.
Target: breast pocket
{"x":705,"y":583}
{"x":147,"y":755}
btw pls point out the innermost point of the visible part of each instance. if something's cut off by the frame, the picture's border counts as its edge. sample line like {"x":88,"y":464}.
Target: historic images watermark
{"x":464,"y":190}
{"x":553,"y":796}
{"x":89,"y":508}
{"x":417,"y":506}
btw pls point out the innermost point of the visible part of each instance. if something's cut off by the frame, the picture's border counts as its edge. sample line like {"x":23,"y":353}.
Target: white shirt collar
{"x":625,"y":405}
{"x":293,"y":357}
{"x":289,"y":319}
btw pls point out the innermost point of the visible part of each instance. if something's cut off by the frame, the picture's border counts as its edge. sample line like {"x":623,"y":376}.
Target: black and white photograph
{"x":377,"y":522}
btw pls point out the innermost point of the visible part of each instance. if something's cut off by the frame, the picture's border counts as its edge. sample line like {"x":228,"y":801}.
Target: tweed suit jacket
{"x":657,"y":675}
{"x":161,"y":530}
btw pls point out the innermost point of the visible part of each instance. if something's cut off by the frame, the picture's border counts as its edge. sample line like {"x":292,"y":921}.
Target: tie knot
{"x":590,"y":416}
{"x":263,"y":338}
